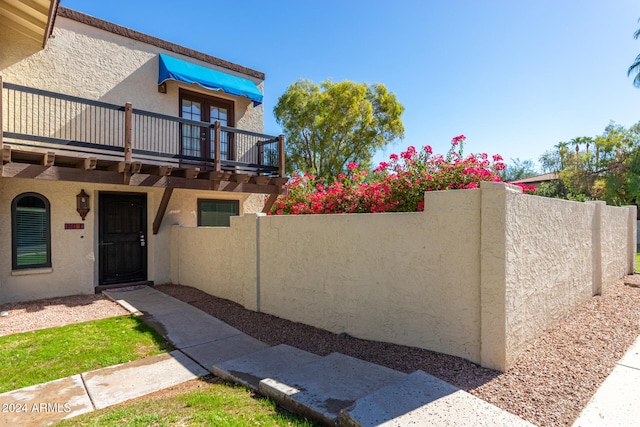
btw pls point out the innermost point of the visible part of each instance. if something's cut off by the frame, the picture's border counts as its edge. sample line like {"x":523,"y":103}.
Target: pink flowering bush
{"x":394,"y":186}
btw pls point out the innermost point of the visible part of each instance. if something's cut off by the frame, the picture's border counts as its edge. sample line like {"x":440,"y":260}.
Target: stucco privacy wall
{"x":218,"y":260}
{"x":537,"y":265}
{"x":75,"y":252}
{"x":616,"y":224}
{"x":480,"y":274}
{"x":92,"y":63}
{"x":409,"y":279}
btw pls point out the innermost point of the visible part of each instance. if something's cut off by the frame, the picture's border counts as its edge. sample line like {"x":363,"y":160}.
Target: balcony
{"x":48,"y":135}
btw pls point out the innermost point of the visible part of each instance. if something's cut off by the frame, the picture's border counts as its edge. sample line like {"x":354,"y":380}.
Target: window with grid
{"x":31,"y":231}
{"x":217,"y":213}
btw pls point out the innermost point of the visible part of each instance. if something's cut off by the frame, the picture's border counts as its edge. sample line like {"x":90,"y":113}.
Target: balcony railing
{"x":34,"y":117}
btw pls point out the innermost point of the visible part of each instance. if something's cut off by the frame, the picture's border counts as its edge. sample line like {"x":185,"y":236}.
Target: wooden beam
{"x":166,"y":196}
{"x":33,"y":21}
{"x":22,"y":29}
{"x":14,"y":169}
{"x":136,"y":167}
{"x":121,"y":167}
{"x":164,"y":170}
{"x":279,"y":181}
{"x":269,"y":204}
{"x":218,"y":176}
{"x":48,"y":159}
{"x":240,"y":178}
{"x":6,"y":154}
{"x":51,"y":16}
{"x":260,"y":179}
{"x":190,"y":173}
{"x":88,"y":164}
{"x":59,"y":173}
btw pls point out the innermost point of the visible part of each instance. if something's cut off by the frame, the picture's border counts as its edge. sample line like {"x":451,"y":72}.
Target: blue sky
{"x":515,"y":76}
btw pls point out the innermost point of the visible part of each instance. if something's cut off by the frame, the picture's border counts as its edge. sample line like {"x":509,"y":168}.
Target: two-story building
{"x":108,"y":138}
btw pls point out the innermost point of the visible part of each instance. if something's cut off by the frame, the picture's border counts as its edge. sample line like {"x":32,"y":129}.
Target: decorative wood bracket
{"x":6,"y":154}
{"x":88,"y":164}
{"x":269,"y":204}
{"x":48,"y":159}
{"x":157,"y":222}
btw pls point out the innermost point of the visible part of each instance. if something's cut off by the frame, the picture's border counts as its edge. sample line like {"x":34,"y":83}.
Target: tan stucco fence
{"x":479,"y":274}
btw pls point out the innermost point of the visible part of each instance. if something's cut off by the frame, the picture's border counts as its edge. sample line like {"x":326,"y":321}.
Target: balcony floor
{"x":49,"y":165}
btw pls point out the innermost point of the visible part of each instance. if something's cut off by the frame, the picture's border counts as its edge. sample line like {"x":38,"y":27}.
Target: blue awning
{"x":176,"y":69}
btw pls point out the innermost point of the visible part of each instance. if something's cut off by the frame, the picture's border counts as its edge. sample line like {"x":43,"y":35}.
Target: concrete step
{"x":420,"y":399}
{"x":214,"y":352}
{"x":320,"y":390}
{"x":249,"y":370}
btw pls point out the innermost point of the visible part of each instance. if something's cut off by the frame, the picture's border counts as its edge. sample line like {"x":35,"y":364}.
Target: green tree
{"x":327,"y":126}
{"x":634,"y":69}
{"x":606,"y":167}
{"x":518,"y":169}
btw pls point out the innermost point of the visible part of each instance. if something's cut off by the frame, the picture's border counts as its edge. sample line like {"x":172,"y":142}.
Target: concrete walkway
{"x":616,"y":401}
{"x":335,"y":389}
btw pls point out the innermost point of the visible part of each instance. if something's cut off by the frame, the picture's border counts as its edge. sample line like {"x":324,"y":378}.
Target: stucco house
{"x":108,"y":138}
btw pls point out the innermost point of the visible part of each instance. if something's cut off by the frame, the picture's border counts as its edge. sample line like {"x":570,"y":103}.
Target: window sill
{"x":28,"y":271}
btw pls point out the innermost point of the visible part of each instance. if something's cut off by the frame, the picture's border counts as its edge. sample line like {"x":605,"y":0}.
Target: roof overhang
{"x":32,"y":19}
{"x":171,"y":68}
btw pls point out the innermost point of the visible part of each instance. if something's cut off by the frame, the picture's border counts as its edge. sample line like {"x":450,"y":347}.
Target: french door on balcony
{"x":197,"y":143}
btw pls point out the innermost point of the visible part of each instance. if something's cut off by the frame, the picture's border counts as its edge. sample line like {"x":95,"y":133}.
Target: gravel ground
{"x":549,"y":386}
{"x":551,"y":383}
{"x":49,"y":313}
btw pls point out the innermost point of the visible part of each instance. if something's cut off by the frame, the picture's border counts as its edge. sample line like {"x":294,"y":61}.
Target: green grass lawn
{"x":212,"y":405}
{"x":637,"y":262}
{"x":35,"y":357}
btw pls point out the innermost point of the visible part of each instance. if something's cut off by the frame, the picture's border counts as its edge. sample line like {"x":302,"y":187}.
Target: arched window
{"x":30,"y":231}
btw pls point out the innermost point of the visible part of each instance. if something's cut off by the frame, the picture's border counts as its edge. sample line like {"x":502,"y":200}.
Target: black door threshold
{"x":101,"y":288}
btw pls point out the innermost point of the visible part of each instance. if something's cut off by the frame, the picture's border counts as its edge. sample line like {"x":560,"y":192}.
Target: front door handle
{"x":142,"y":240}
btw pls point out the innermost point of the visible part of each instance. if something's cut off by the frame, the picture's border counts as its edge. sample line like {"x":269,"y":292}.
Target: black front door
{"x":122,"y":247}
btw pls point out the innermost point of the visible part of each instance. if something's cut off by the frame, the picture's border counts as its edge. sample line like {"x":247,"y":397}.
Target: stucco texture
{"x":548,"y":266}
{"x":409,"y":279}
{"x":84,"y":61}
{"x":95,"y":64}
{"x":92,"y":63}
{"x":64,"y":278}
{"x":615,"y":224}
{"x":218,"y":260}
{"x":75,"y":252}
{"x":479,"y":274}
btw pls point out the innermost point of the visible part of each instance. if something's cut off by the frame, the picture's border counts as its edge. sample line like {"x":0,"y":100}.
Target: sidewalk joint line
{"x":636,"y":368}
{"x":212,"y":341}
{"x":86,"y":389}
{"x":196,"y":362}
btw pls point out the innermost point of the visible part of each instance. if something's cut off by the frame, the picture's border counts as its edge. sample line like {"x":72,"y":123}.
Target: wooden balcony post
{"x":216,"y":145}
{"x":281,"y":156}
{"x":128,"y":131}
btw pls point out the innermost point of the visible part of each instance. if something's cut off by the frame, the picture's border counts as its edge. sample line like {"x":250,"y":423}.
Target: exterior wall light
{"x":82,"y":203}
